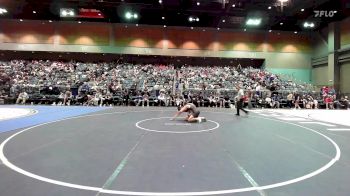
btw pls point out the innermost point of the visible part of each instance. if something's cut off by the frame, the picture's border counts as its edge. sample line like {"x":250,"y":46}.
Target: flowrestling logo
{"x":325,"y":13}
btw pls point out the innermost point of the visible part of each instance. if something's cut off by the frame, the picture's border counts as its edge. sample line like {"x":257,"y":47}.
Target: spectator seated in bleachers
{"x":161,"y":99}
{"x":22,"y":98}
{"x":343,"y":103}
{"x":3,"y":96}
{"x":103,"y":84}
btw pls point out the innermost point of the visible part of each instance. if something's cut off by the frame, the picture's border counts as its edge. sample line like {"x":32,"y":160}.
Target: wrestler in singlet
{"x":193,"y":113}
{"x":192,"y":110}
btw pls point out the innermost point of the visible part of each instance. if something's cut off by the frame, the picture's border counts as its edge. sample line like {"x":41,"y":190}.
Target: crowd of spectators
{"x":116,"y":83}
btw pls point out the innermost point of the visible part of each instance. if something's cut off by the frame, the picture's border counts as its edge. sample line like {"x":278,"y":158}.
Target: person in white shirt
{"x":22,"y":97}
{"x":67,"y":97}
{"x":239,"y":100}
{"x":162,"y":99}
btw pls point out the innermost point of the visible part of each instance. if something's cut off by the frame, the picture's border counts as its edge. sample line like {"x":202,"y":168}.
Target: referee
{"x":239,"y":100}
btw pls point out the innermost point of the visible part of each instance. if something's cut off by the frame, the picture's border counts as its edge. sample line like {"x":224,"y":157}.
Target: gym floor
{"x":139,"y":151}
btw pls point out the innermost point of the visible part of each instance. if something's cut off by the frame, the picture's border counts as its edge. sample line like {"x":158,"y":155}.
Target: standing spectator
{"x":67,"y":97}
{"x":296,"y":100}
{"x":126,"y":97}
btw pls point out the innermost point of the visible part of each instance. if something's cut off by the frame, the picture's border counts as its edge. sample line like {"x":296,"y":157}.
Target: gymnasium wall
{"x":319,"y":62}
{"x":345,"y":33}
{"x":287,"y":52}
{"x":319,"y":42}
{"x":344,"y":77}
{"x":344,"y":56}
{"x":320,"y":76}
{"x":320,"y":53}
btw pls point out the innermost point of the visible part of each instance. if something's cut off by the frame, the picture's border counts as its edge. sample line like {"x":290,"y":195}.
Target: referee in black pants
{"x":240,"y":98}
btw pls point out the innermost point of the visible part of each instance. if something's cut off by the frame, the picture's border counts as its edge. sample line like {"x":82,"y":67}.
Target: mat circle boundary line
{"x":137,"y":124}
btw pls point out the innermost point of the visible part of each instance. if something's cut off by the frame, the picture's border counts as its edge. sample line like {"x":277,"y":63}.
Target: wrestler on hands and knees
{"x":193,"y":113}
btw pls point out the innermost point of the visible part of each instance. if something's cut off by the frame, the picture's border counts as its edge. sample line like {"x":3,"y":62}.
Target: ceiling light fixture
{"x":302,"y":9}
{"x":198,"y":3}
{"x":130,"y":15}
{"x":193,"y":19}
{"x":269,"y":7}
{"x":3,"y":11}
{"x":66,"y":12}
{"x":309,"y":25}
{"x":253,"y":21}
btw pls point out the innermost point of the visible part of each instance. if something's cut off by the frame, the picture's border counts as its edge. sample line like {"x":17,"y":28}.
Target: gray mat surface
{"x":107,"y":150}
